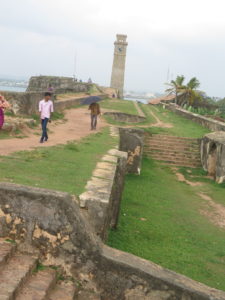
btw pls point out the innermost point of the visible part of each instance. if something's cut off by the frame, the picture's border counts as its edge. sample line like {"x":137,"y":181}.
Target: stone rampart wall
{"x":53,"y":223}
{"x":213,"y":125}
{"x":27,"y":103}
{"x":59,"y":84}
{"x":23,"y":103}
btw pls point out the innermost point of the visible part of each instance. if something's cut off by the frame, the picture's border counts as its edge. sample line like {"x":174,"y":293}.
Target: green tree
{"x":176,"y":86}
{"x":190,"y":91}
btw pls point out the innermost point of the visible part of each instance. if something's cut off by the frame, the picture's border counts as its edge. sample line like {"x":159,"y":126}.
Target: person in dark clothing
{"x":95,"y":112}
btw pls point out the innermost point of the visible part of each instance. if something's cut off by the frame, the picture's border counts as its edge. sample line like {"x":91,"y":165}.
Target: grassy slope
{"x":173,"y":233}
{"x":124,"y":106}
{"x":181,"y":126}
{"x":65,"y":167}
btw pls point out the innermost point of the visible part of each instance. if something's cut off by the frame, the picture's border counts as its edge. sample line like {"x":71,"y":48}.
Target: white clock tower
{"x":118,"y":69}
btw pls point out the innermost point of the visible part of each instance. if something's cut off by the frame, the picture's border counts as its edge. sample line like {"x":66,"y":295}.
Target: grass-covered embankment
{"x":65,"y":167}
{"x":160,"y":220}
{"x":181,"y":126}
{"x":123,"y":106}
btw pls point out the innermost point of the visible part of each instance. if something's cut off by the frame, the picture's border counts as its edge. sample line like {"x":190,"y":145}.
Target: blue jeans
{"x":44,"y":123}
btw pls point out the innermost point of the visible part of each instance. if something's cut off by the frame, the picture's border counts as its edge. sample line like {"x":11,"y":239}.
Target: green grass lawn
{"x":160,"y":221}
{"x":124,"y":106}
{"x":181,"y":126}
{"x":65,"y":168}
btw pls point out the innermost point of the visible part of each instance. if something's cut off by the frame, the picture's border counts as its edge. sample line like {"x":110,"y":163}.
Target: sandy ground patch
{"x":77,"y":126}
{"x":215,"y":212}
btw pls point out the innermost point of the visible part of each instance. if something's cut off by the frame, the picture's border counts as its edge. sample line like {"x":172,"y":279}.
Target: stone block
{"x":213,"y":155}
{"x":109,"y":158}
{"x":132,"y":142}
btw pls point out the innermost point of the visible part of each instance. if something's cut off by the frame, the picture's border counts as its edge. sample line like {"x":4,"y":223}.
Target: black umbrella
{"x":90,"y":100}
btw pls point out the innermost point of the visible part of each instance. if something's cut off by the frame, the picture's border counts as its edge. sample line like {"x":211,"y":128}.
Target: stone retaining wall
{"x":213,"y":155}
{"x":27,"y":103}
{"x":213,"y":125}
{"x":59,"y":84}
{"x":104,"y":191}
{"x":47,"y":220}
{"x":126,"y":118}
{"x":23,"y":103}
{"x":53,"y":223}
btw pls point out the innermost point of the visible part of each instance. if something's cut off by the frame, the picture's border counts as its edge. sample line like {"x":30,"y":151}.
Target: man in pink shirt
{"x":45,"y":109}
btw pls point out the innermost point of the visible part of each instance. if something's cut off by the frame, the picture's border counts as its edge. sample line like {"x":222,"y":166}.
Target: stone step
{"x":171,"y":137}
{"x":6,"y":251}
{"x":188,"y":155}
{"x":172,"y":151}
{"x":178,"y":162}
{"x":162,"y":157}
{"x":168,"y":142}
{"x":38,"y":286}
{"x":14,"y":274}
{"x":172,"y":147}
{"x":63,"y":291}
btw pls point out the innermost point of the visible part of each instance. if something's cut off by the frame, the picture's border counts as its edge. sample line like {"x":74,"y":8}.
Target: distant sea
{"x":145,"y":101}
{"x":12,"y":88}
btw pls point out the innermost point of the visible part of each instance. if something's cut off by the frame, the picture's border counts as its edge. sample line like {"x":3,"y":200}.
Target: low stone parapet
{"x":213,"y":125}
{"x":104,"y":192}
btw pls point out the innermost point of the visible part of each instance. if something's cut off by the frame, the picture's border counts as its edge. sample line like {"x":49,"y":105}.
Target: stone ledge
{"x":213,"y":125}
{"x":104,"y":188}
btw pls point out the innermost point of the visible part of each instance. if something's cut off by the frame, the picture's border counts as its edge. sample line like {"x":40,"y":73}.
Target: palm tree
{"x":176,"y":86}
{"x":190,"y":90}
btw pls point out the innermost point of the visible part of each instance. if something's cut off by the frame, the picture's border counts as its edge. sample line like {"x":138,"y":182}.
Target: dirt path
{"x":159,"y":123}
{"x":215,"y":212}
{"x":140,"y":112}
{"x":76,"y":127}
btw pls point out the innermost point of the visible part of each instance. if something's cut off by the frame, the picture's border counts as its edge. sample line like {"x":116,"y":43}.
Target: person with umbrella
{"x":94,"y":107}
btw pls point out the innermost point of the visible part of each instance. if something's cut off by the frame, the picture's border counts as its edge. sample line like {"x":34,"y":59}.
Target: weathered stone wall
{"x":123,"y":117}
{"x":213,"y":125}
{"x":127,"y":277}
{"x":132,"y":142}
{"x":59,"y":84}
{"x":213,"y":155}
{"x":47,"y":220}
{"x":53,"y":223}
{"x":27,"y":103}
{"x":104,"y":192}
{"x":23,"y":103}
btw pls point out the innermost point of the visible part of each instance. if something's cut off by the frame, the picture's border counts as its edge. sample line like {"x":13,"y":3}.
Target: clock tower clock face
{"x":120,"y":49}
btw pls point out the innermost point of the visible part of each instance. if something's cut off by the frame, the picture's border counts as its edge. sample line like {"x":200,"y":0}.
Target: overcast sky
{"x":188,"y":37}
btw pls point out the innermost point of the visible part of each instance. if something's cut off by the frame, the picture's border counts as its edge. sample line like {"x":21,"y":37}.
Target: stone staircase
{"x":172,"y":150}
{"x":22,"y":278}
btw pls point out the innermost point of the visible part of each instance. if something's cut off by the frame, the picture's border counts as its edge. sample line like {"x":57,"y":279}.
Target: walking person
{"x":95,"y":111}
{"x":45,"y":109}
{"x":3,"y":105}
